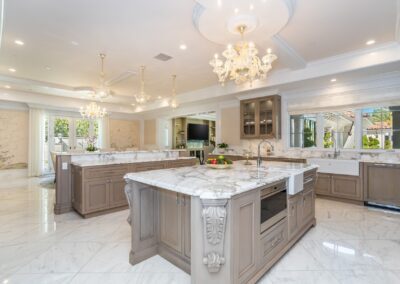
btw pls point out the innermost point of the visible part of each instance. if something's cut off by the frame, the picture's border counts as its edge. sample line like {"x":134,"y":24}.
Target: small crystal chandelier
{"x":102,"y":91}
{"x":92,"y":111}
{"x":142,"y":97}
{"x":242,"y":63}
{"x":173,"y":103}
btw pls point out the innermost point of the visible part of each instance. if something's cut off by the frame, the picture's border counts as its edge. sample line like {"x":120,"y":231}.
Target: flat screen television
{"x":197,"y":132}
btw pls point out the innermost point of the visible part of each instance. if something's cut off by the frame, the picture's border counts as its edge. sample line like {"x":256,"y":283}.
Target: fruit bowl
{"x":219,"y":163}
{"x":226,"y":166}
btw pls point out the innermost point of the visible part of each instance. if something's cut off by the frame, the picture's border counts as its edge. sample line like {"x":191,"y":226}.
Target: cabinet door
{"x":246,"y":235}
{"x":346,"y":187}
{"x":96,"y":195}
{"x":323,"y":184}
{"x":117,"y":193}
{"x":266,"y":118}
{"x":171,"y":220}
{"x":382,"y":183}
{"x":308,"y":207}
{"x":249,"y":119}
{"x":292,"y":216}
{"x":186,"y":226}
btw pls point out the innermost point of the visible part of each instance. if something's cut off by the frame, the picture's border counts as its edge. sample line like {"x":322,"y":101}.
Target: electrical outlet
{"x":64,"y":166}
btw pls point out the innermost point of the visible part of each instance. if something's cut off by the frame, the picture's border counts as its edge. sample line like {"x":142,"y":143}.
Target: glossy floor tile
{"x":350,"y":244}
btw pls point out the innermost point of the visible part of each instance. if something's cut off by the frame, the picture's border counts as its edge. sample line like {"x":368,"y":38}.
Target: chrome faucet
{"x":259,"y":159}
{"x":336,"y":150}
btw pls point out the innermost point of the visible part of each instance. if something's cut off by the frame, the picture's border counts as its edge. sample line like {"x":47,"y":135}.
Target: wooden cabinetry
{"x":260,"y":118}
{"x":174,"y":225}
{"x":301,"y":207}
{"x":100,"y":189}
{"x":340,"y":186}
{"x":382,"y":183}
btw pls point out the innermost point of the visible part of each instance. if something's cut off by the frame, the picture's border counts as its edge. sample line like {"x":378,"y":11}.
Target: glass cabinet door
{"x":249,"y":119}
{"x":266,"y":117}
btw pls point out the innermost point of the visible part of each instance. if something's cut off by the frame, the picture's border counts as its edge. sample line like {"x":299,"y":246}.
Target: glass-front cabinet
{"x":261,"y":117}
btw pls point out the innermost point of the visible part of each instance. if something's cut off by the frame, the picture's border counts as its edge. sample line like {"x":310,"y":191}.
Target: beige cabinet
{"x":340,"y":186}
{"x":301,"y":207}
{"x":246,"y":234}
{"x":171,"y":220}
{"x":175,"y":222}
{"x":382,"y":183}
{"x":99,"y":189}
{"x":96,"y":195}
{"x":260,"y":118}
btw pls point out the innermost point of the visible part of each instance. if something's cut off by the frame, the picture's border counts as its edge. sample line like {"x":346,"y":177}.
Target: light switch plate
{"x":65,"y":166}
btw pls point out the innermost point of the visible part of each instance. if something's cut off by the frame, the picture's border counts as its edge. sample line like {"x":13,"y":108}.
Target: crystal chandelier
{"x":102,"y":91}
{"x":142,"y":97}
{"x":242,"y":63}
{"x":92,"y":111}
{"x":174,"y":103}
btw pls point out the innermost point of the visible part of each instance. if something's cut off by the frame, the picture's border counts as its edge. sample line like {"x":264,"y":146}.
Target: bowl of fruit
{"x":219,"y":163}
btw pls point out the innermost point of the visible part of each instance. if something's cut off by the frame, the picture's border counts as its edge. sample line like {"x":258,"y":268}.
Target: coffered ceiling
{"x":62,"y":40}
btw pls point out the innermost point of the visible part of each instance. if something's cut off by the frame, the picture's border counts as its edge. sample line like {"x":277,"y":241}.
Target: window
{"x":303,"y":130}
{"x":339,"y":127}
{"x":381,"y":128}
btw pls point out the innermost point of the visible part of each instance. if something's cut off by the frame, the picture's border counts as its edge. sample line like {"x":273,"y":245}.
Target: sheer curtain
{"x":36,"y":142}
{"x":104,"y":132}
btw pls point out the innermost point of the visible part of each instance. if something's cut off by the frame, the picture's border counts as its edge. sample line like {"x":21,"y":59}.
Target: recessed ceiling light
{"x":251,"y":7}
{"x":236,"y":10}
{"x":370,"y":42}
{"x":183,"y":46}
{"x":7,"y":86}
{"x":48,"y":68}
{"x":12,"y":70}
{"x":74,"y":43}
{"x":19,"y":42}
{"x":219,"y":3}
{"x":133,"y":105}
{"x":159,"y":97}
{"x":333,"y":80}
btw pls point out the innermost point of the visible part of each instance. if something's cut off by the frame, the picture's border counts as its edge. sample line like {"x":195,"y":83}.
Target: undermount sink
{"x":336,"y":166}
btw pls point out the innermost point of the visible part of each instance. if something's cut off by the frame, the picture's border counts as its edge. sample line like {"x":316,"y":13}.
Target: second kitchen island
{"x":220,"y":226}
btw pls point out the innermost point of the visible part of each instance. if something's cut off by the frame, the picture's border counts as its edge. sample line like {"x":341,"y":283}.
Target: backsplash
{"x":279,"y":150}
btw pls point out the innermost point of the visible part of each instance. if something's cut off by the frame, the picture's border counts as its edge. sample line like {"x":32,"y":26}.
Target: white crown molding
{"x":289,"y":55}
{"x":257,"y":94}
{"x":58,"y":103}
{"x":13,"y":106}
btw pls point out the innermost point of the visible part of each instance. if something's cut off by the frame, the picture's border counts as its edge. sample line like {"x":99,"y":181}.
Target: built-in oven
{"x":273,"y":205}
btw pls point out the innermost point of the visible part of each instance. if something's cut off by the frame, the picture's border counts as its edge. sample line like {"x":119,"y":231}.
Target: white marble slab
{"x":213,"y":183}
{"x":120,"y":161}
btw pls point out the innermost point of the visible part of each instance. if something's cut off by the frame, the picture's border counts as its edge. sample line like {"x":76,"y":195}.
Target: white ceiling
{"x":67,"y":36}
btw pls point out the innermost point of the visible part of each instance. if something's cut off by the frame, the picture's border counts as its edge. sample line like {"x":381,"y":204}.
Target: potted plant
{"x":222,"y":147}
{"x":91,"y":143}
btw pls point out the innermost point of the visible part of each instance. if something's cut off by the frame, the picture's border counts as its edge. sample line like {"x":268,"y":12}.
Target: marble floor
{"x":350,"y":244}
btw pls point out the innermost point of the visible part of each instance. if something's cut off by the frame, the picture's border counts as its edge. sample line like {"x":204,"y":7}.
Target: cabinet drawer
{"x":275,"y":187}
{"x":181,"y":163}
{"x":104,"y":172}
{"x":273,"y":241}
{"x":150,"y":166}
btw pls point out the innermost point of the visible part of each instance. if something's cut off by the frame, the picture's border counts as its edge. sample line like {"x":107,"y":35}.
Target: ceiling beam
{"x":288,"y":55}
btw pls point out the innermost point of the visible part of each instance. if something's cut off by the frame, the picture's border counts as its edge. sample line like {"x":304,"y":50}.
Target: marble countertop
{"x":116,"y":152}
{"x":126,"y":161}
{"x":217,"y":184}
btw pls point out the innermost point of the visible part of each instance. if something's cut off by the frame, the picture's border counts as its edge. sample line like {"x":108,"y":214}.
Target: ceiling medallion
{"x":102,"y":91}
{"x":92,"y":111}
{"x":142,"y":97}
{"x":173,"y":103}
{"x":241,"y":62}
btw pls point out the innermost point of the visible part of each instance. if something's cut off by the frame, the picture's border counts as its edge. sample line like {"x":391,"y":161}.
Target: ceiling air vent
{"x":163,"y":57}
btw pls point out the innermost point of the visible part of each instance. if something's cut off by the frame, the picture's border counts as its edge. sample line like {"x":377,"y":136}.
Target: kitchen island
{"x":92,"y":183}
{"x":220,"y":226}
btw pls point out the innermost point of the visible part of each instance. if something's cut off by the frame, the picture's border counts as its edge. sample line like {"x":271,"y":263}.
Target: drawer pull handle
{"x":308,"y":180}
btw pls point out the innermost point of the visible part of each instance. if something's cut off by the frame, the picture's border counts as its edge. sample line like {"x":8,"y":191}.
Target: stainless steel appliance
{"x":273,"y":205}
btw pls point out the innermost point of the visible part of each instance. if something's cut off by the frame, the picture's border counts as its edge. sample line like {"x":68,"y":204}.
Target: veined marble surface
{"x":91,"y":163}
{"x":215,"y":183}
